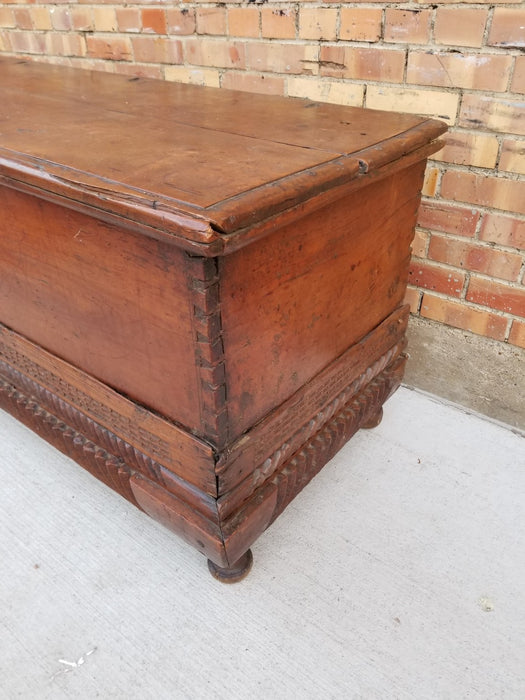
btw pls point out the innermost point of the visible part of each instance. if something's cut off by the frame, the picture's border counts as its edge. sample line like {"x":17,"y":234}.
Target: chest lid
{"x":197,"y":164}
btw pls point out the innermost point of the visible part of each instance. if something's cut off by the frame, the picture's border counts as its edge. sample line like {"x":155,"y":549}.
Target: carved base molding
{"x":222,"y":534}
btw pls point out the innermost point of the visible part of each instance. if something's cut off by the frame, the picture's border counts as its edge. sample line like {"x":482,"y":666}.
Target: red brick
{"x":211,"y":20}
{"x":460,"y":26}
{"x":407,"y":26}
{"x":129,"y":19}
{"x":518,"y":79}
{"x":477,"y":258}
{"x":386,"y":65}
{"x":497,"y":192}
{"x":517,"y":334}
{"x":436,"y":278}
{"x":497,"y":295}
{"x":243,"y":21}
{"x":153,"y":49}
{"x":154,"y":20}
{"x":451,"y":219}
{"x":473,"y":71}
{"x":504,"y":230}
{"x":413,"y":298}
{"x":360,"y":24}
{"x":461,"y":315}
{"x":278,"y":23}
{"x":181,"y":21}
{"x":508,"y":28}
{"x":23,"y":18}
{"x":82,"y":19}
{"x":248,"y":82}
{"x":112,"y":48}
{"x":505,"y":115}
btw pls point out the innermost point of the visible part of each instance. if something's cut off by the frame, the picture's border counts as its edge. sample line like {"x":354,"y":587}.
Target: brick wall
{"x":460,"y":61}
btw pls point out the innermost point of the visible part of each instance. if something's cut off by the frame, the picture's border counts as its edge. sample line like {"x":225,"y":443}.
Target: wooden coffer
{"x":201,"y":290}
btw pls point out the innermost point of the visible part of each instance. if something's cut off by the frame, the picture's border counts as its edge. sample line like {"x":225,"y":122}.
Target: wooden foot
{"x":233,"y":573}
{"x":373,"y":420}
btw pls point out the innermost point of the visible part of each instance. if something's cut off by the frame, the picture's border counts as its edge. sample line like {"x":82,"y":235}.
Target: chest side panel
{"x":110,"y":302}
{"x":297,"y":300}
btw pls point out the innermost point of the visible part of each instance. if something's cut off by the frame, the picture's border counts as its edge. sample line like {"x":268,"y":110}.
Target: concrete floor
{"x":398,"y":573}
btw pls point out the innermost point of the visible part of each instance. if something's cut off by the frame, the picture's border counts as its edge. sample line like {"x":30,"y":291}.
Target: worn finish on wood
{"x":200,"y":290}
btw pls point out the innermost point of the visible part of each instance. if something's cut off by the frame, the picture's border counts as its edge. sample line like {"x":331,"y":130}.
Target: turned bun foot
{"x":373,"y":420}
{"x":234,"y":573}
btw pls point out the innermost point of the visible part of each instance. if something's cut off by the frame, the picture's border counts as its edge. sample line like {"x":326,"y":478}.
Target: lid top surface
{"x":194,"y":146}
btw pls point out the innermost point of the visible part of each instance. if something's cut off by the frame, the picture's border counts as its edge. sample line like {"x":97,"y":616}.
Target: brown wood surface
{"x":294,"y":301}
{"x":113,"y":303}
{"x":198,"y":147}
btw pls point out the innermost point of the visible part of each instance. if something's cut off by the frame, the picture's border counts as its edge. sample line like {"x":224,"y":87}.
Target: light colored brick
{"x":487,"y":191}
{"x":154,"y":20}
{"x":215,"y":54}
{"x":431,"y":181}
{"x":436,"y":278}
{"x":360,"y":24}
{"x":503,"y":230}
{"x":278,"y":23}
{"x":129,"y":19}
{"x":156,"y":49}
{"x":463,"y":316}
{"x":61,"y":18}
{"x":136,"y":70}
{"x":497,"y":114}
{"x":180,"y":21}
{"x":517,"y":334}
{"x":66,"y":44}
{"x":318,"y":23}
{"x":518,"y":79}
{"x":249,"y":82}
{"x":326,"y":91}
{"x":27,"y":42}
{"x":243,"y":22}
{"x":473,"y":71}
{"x":211,"y":20}
{"x":386,"y":65}
{"x":113,"y":49}
{"x":42,"y":18}
{"x":105,"y":19}
{"x":508,"y":28}
{"x":439,"y":216}
{"x":460,"y":26}
{"x":273,"y":57}
{"x":420,"y":243}
{"x":470,"y":2}
{"x":467,"y":148}
{"x":413,"y":299}
{"x":513,"y":156}
{"x":7,"y":18}
{"x":195,"y":76}
{"x":475,"y":257}
{"x":434,"y":103}
{"x":407,"y":26}
{"x":497,"y":295}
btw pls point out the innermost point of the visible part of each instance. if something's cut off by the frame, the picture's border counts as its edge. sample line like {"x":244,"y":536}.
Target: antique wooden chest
{"x":201,"y":291}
